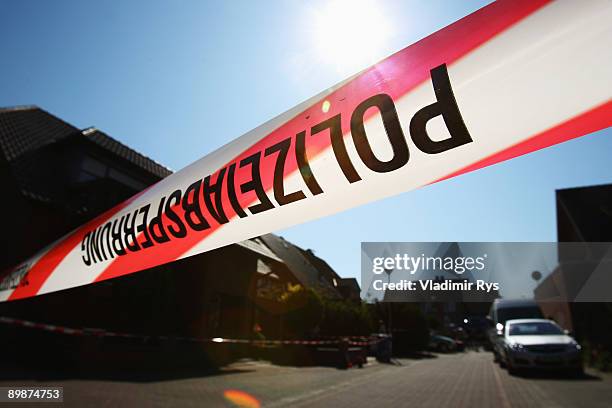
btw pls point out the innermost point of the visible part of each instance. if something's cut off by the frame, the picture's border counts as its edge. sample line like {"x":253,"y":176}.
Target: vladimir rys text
{"x":456,"y":266}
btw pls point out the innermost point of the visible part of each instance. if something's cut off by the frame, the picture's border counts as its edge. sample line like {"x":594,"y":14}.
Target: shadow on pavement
{"x":152,"y":373}
{"x":142,"y":364}
{"x":557,"y":375}
{"x":419,"y":355}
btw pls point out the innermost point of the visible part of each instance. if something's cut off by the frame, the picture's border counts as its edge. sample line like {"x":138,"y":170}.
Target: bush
{"x":604,"y":361}
{"x":596,"y":356}
{"x":343,"y":318}
{"x":303,"y":310}
{"x":307,"y":313}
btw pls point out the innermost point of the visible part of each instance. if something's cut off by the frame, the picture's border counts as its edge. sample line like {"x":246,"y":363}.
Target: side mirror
{"x":567,"y":332}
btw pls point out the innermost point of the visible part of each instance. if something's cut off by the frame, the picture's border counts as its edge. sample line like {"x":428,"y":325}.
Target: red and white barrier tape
{"x":352,"y":341}
{"x":514,"y":77}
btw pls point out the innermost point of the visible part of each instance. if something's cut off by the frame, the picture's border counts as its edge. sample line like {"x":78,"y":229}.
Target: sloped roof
{"x":26,"y":128}
{"x":116,"y":147}
{"x":321,"y":265}
{"x":350,"y":283}
{"x":256,"y":245}
{"x":303,"y":270}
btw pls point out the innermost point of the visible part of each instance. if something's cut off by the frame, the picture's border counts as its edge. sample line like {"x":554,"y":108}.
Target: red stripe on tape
{"x":600,"y":117}
{"x":41,"y":270}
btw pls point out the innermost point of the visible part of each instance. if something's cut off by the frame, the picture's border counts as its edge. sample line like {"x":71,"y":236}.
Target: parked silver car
{"x":538,"y":343}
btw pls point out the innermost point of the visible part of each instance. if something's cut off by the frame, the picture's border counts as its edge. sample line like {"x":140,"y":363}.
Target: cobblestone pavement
{"x":458,"y":380}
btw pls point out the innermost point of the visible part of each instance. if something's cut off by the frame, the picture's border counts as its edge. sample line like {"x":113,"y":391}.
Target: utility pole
{"x":389,"y":311}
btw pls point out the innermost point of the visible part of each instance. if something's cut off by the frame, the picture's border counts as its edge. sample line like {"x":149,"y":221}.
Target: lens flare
{"x":325,"y":107}
{"x":241,"y":399}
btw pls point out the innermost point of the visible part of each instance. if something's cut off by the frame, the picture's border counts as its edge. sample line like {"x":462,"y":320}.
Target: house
{"x":347,"y":287}
{"x":576,"y":293}
{"x":303,"y":267}
{"x":55,"y":177}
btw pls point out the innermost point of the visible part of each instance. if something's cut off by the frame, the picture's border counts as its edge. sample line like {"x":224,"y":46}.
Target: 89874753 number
{"x":31,"y":393}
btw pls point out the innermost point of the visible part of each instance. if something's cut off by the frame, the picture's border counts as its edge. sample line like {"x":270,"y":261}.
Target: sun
{"x":349,"y":34}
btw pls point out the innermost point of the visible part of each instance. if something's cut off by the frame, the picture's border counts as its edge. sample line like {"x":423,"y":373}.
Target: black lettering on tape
{"x":393,"y":128}
{"x":94,"y":242}
{"x":180,"y":231}
{"x":231,"y":191}
{"x":255,"y":184}
{"x":304,"y":165}
{"x":86,"y":257}
{"x":106,"y":232}
{"x":191,"y":205}
{"x":216,"y":210}
{"x":334,"y":124}
{"x":93,"y":246}
{"x":282,"y":148}
{"x":129,"y":231}
{"x":156,"y":226}
{"x":100,"y":243}
{"x":116,"y":234}
{"x":142,"y":227}
{"x":446,"y":105}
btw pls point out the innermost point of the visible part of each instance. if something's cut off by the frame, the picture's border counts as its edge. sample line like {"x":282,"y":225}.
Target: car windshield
{"x":533,"y":328}
{"x":527,"y":312}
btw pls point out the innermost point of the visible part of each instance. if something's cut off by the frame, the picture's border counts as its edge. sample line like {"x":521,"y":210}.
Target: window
{"x":93,"y":169}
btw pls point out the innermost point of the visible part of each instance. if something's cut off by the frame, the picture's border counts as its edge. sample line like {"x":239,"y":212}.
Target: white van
{"x":503,"y":310}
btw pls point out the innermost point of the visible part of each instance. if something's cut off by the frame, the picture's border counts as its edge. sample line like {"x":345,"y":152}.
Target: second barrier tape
{"x":94,"y":332}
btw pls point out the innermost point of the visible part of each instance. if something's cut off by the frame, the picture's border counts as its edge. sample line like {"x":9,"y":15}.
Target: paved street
{"x":461,"y":380}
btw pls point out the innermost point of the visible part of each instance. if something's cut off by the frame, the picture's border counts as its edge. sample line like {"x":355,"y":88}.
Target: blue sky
{"x":176,"y":80}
